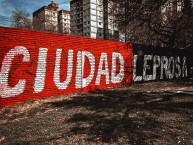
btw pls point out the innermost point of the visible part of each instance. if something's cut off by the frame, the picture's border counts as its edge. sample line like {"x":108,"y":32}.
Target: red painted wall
{"x":25,"y":69}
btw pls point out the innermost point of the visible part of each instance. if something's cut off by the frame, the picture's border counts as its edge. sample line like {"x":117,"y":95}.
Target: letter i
{"x":41,"y":70}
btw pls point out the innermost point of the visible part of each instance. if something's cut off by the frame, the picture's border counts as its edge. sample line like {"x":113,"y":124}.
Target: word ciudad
{"x":96,"y":72}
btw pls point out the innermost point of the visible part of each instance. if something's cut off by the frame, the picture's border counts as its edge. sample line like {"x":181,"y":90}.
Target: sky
{"x":29,"y":6}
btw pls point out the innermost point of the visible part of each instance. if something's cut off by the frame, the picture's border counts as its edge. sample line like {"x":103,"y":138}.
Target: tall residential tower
{"x":90,"y":18}
{"x":46,"y":18}
{"x":64,"y":21}
{"x":49,"y":19}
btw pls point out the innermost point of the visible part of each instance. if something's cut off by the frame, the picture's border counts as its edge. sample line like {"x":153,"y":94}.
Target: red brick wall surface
{"x":36,"y":65}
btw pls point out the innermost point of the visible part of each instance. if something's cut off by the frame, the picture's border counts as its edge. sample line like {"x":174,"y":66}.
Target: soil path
{"x":150,"y":113}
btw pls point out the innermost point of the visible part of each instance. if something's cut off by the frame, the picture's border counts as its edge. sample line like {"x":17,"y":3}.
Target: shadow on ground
{"x":113,"y":116}
{"x":131,"y":117}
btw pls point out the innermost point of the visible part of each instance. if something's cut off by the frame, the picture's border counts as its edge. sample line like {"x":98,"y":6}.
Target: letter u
{"x":63,"y":85}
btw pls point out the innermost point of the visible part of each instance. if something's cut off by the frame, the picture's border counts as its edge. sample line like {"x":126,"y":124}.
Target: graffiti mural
{"x":152,"y":64}
{"x":36,"y":65}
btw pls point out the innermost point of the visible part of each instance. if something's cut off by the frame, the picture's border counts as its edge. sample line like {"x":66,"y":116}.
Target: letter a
{"x":103,"y":59}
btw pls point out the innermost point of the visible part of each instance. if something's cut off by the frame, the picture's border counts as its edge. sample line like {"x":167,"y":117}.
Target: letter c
{"x":5,"y":90}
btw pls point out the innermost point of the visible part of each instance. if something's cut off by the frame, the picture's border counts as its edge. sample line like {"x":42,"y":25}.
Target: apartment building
{"x":49,"y":19}
{"x":172,"y":8}
{"x":76,"y":17}
{"x":46,"y":18}
{"x":173,"y":5}
{"x":87,"y":18}
{"x":64,"y":21}
{"x":110,"y":22}
{"x":90,"y":18}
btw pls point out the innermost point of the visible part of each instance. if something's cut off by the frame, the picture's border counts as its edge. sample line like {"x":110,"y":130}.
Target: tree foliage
{"x":21,"y":19}
{"x":166,"y":23}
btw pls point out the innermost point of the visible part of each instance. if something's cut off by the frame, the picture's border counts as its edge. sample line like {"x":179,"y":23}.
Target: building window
{"x":99,"y":23}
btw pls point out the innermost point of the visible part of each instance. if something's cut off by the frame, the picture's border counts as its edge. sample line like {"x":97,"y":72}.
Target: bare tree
{"x":21,"y":19}
{"x":159,"y":23}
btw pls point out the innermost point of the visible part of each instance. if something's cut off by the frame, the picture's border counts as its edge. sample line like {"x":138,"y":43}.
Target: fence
{"x":155,"y":64}
{"x":36,"y":65}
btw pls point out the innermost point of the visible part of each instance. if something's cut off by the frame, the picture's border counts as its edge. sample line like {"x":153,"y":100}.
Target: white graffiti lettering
{"x":116,"y":76}
{"x":103,"y":60}
{"x":80,"y":81}
{"x":169,"y":68}
{"x":41,"y":70}
{"x":63,"y":85}
{"x":119,"y":77}
{"x":5,"y":90}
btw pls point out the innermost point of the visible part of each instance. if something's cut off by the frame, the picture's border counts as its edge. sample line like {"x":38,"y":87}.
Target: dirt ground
{"x":149,"y":113}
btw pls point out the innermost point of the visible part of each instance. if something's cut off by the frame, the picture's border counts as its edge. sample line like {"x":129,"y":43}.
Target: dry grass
{"x":149,"y":113}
